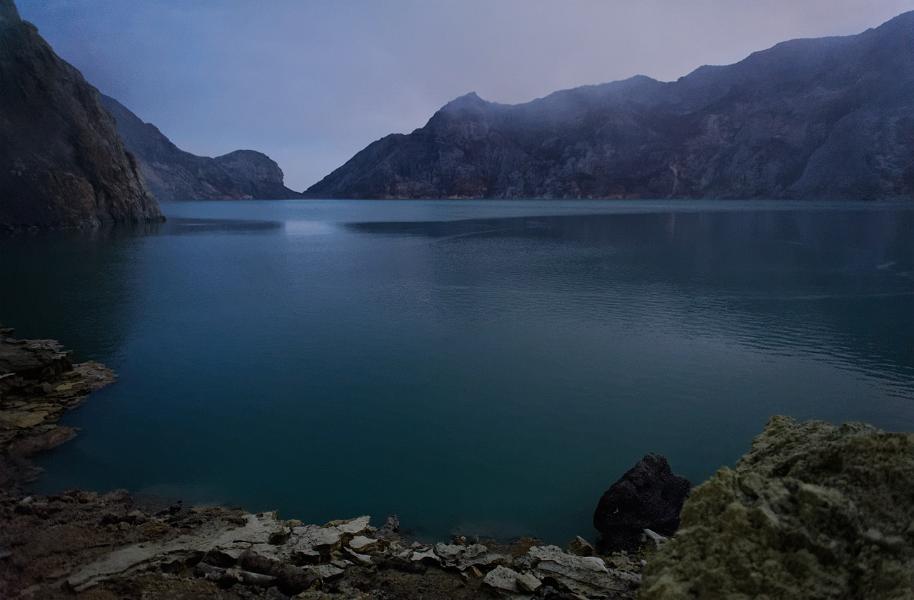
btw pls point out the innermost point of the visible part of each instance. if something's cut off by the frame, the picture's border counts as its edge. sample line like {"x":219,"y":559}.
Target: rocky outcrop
{"x":813,"y":511}
{"x":62,"y":163}
{"x":816,"y":118}
{"x":647,"y":497}
{"x":87,"y":543}
{"x":38,"y":383}
{"x":173,"y":174}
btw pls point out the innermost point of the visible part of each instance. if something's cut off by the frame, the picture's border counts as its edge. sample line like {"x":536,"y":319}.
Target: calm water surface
{"x":473,"y":366}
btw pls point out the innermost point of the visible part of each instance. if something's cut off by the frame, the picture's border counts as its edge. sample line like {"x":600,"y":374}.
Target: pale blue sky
{"x":312,"y":82}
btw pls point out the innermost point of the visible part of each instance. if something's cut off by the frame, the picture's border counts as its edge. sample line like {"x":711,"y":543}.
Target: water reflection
{"x":781,"y":282}
{"x":472,"y":364}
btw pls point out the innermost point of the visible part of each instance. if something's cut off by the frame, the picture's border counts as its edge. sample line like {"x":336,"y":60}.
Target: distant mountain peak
{"x":468,"y":100}
{"x":173,"y":174}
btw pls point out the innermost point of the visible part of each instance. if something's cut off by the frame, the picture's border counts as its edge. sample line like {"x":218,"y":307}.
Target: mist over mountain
{"x":809,"y":118}
{"x":173,"y":174}
{"x":63,"y":164}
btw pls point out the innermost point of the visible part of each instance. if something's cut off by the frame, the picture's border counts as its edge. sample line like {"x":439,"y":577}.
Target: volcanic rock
{"x":647,"y":496}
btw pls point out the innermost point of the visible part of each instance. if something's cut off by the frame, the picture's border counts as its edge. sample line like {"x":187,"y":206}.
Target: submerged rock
{"x":647,"y":496}
{"x":813,"y":511}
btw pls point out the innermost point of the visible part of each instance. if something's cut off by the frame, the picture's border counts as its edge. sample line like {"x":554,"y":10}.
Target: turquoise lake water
{"x":478,"y":367}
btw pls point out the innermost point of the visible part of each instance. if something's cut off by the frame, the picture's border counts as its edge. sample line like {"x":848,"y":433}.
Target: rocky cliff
{"x":812,"y":118}
{"x":812,"y":511}
{"x":173,"y":174}
{"x":62,"y":163}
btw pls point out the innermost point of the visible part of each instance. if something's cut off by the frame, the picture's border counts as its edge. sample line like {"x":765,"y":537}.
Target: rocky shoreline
{"x":85,"y":544}
{"x":811,"y":511}
{"x":38,"y":383}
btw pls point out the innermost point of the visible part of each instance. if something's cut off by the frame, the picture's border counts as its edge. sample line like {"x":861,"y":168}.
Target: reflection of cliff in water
{"x":53,"y":279}
{"x":766,"y":279}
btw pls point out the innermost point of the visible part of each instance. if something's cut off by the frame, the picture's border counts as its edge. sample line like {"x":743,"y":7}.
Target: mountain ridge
{"x":807,"y":118}
{"x":175,"y":174}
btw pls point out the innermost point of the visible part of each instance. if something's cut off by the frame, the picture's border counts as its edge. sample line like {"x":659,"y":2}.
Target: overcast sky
{"x":312,"y":82}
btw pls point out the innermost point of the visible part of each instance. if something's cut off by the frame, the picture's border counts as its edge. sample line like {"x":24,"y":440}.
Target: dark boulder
{"x":648,"y":496}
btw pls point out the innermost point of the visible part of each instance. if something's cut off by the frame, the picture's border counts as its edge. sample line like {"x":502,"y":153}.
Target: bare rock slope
{"x":62,"y":163}
{"x":173,"y":174}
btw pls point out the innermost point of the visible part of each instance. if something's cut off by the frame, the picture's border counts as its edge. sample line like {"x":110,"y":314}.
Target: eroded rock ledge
{"x":38,"y":383}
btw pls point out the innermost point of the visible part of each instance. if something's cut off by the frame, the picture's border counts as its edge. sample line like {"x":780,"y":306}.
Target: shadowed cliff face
{"x":827,"y":118}
{"x":61,"y":161}
{"x":173,"y":174}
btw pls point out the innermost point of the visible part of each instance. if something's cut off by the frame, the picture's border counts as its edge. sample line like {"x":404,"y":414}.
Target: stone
{"x":251,"y":578}
{"x":463,"y":557}
{"x":137,"y":517}
{"x":813,"y":511}
{"x":585,"y":575}
{"x":220,"y":540}
{"x":360,"y":543}
{"x":647,"y":496}
{"x":449,"y":553}
{"x":653,"y":539}
{"x":280,"y":536}
{"x":424,"y":555}
{"x":22,"y":419}
{"x":351,"y":526}
{"x":528,"y":582}
{"x":309,"y":540}
{"x":326,"y":572}
{"x":362,"y":559}
{"x":580,"y":547}
{"x":502,"y":578}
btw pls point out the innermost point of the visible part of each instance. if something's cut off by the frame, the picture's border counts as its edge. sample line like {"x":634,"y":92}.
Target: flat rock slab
{"x":256,"y":530}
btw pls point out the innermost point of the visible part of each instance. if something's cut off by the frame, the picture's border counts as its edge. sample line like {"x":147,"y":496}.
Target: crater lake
{"x":481,"y":366}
